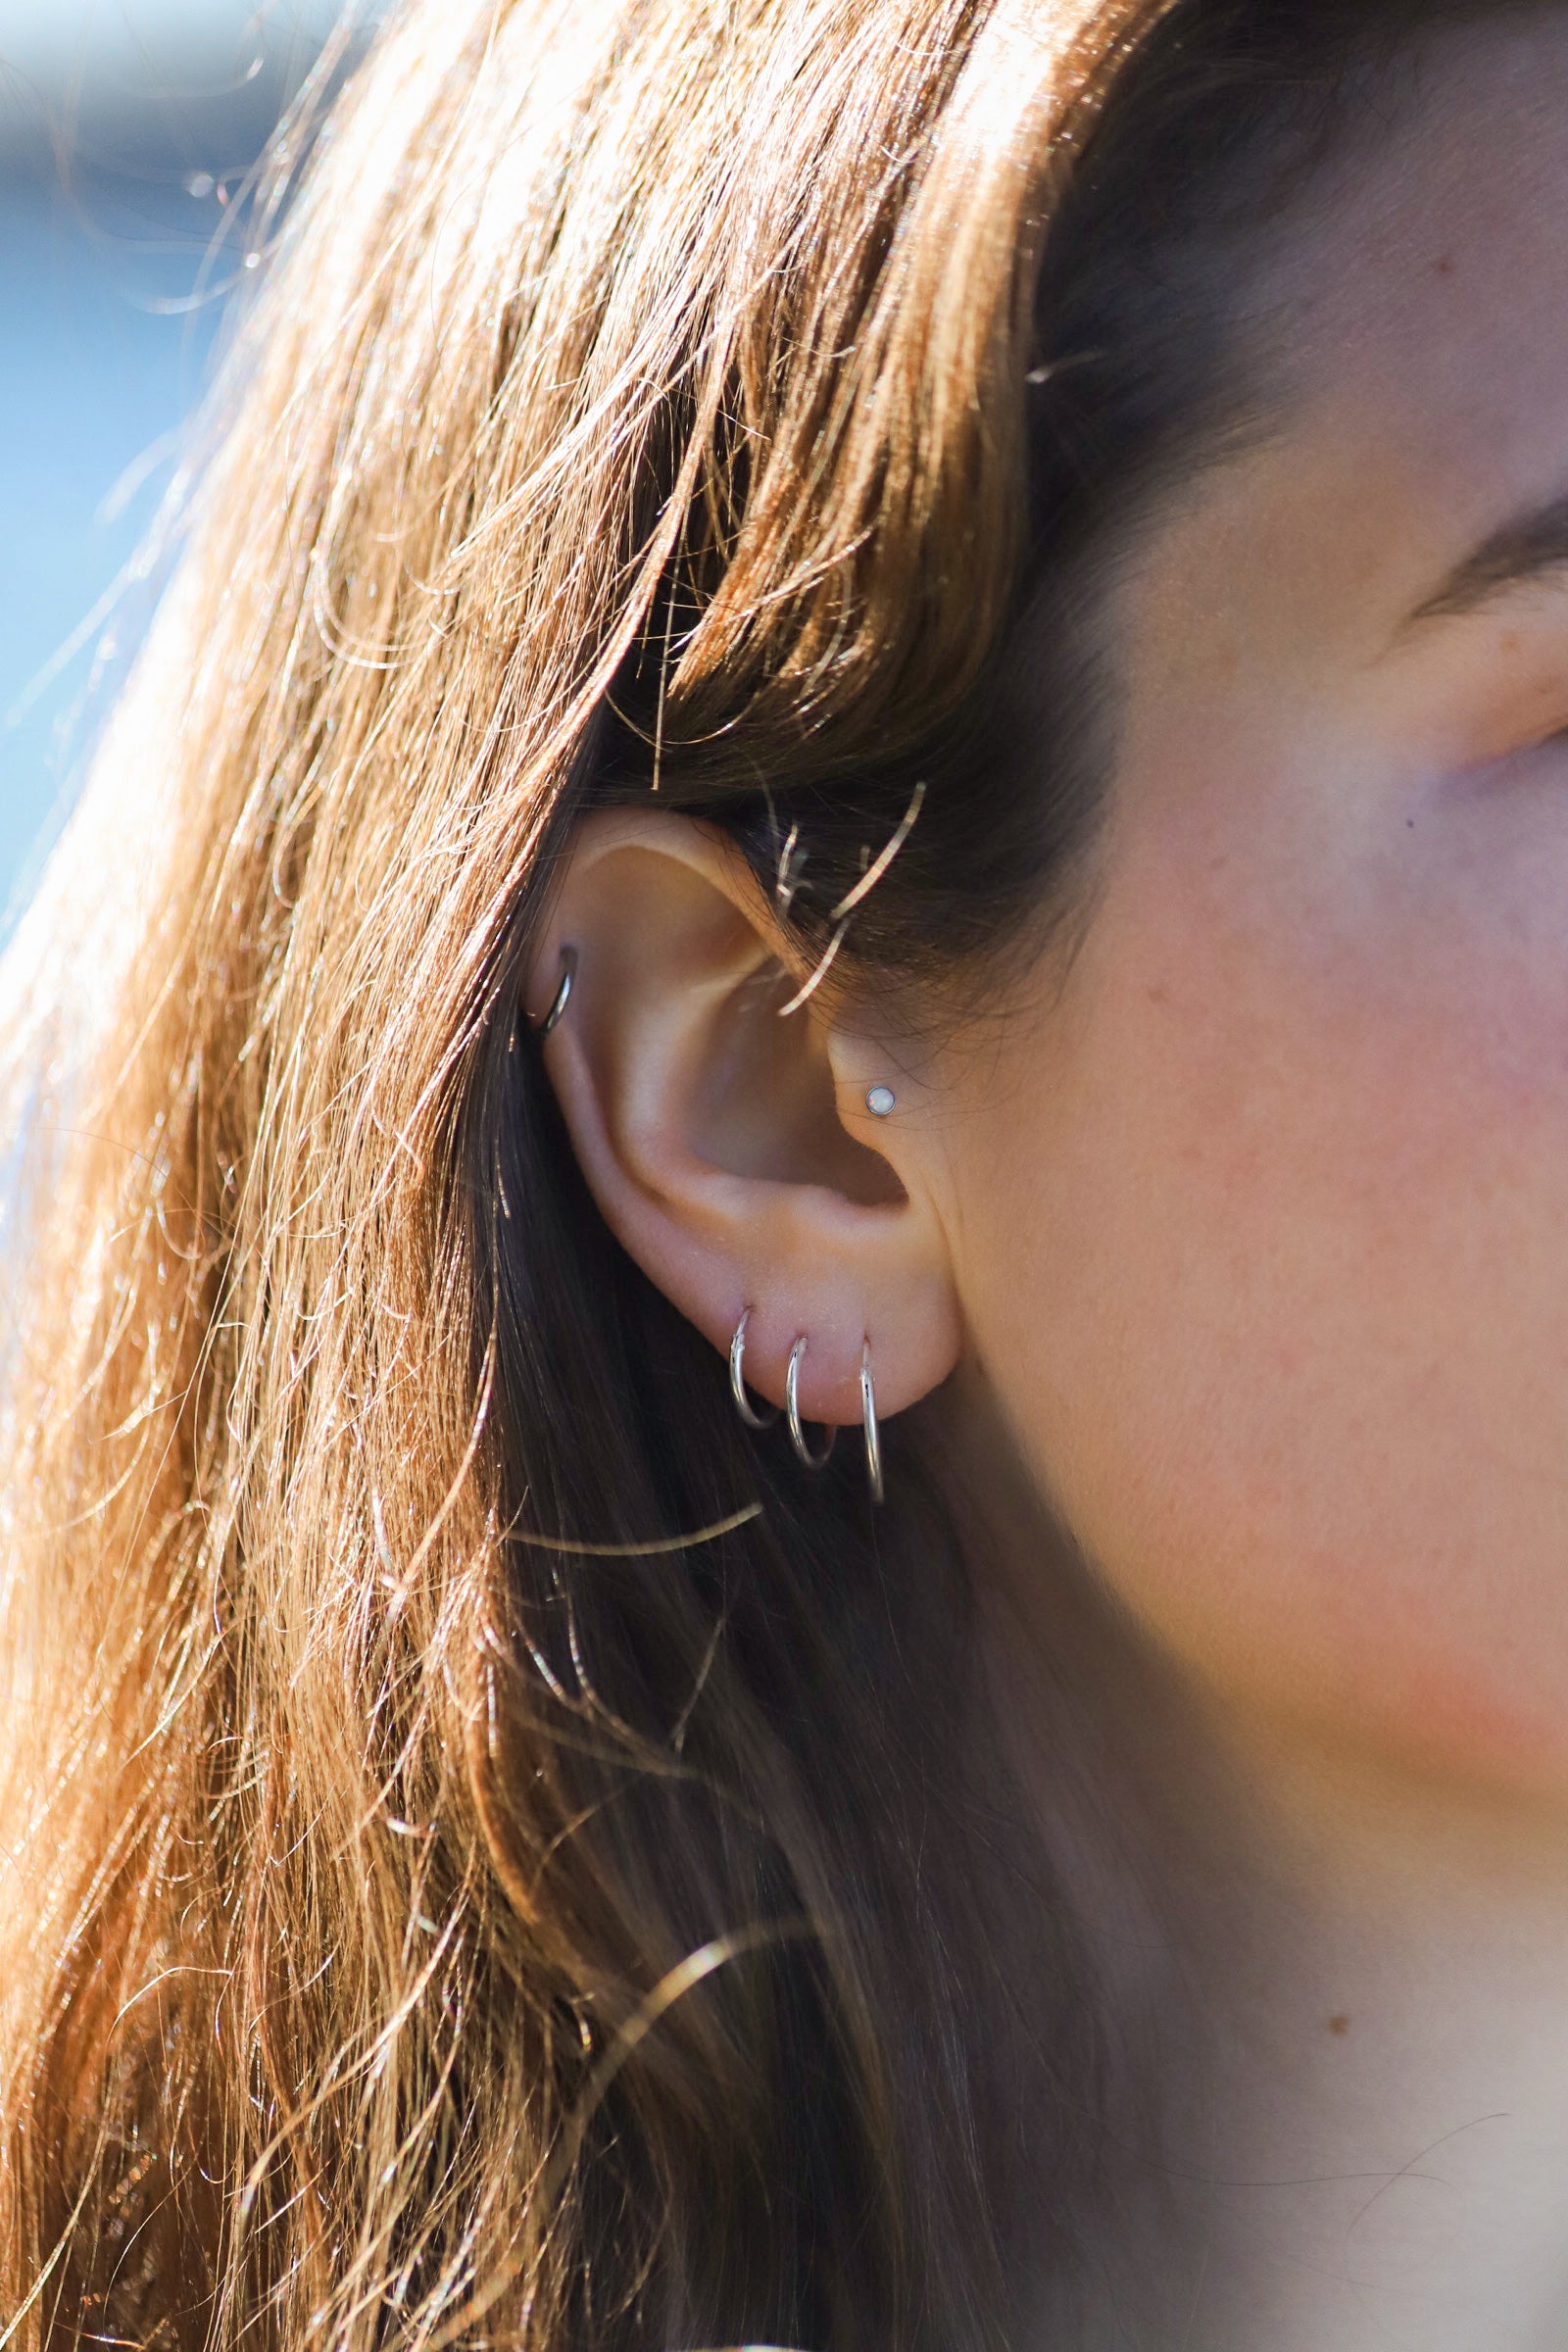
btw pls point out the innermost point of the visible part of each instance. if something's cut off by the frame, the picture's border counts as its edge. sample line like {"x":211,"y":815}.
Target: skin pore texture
{"x":1239,"y":1243}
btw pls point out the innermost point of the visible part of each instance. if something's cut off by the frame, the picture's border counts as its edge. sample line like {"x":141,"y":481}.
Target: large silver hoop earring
{"x":562,"y":994}
{"x":873,"y":1435}
{"x":792,"y":1406}
{"x":737,"y":1381}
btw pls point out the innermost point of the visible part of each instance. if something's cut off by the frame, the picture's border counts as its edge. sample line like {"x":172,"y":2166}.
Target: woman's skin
{"x":1242,"y":1243}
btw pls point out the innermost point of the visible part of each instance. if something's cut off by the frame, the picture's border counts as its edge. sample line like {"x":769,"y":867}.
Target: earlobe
{"x":711,"y":1130}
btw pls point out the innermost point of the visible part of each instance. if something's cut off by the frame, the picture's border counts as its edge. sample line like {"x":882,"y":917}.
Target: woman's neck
{"x":1362,"y":2043}
{"x":1335,"y":2001}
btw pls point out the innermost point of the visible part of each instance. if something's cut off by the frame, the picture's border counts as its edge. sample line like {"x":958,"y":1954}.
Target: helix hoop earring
{"x":873,"y":1435}
{"x":792,"y":1406}
{"x":737,"y":1381}
{"x":562,"y":994}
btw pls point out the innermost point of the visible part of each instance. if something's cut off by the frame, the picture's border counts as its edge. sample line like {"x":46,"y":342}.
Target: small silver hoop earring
{"x":792,"y":1406}
{"x":737,"y":1381}
{"x":562,"y":994}
{"x":873,"y":1435}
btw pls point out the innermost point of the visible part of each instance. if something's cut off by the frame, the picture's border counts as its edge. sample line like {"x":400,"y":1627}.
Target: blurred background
{"x":127,"y":129}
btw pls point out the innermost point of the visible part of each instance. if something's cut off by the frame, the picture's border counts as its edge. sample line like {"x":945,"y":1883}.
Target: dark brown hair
{"x":452,"y":1896}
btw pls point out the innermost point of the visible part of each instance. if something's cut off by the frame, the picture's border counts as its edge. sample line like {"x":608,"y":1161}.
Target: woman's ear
{"x":727,"y":1141}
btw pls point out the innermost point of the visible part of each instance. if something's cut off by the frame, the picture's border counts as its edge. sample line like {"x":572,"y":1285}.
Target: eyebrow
{"x":1531,"y":547}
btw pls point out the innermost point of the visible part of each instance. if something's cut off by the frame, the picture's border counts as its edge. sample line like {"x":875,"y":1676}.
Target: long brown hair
{"x":452,"y":1893}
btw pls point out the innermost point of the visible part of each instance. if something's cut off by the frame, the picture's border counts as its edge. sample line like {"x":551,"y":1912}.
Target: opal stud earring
{"x":881,"y":1102}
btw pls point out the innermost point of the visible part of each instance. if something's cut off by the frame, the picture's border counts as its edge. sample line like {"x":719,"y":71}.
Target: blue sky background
{"x":123,"y":125}
{"x":94,"y":381}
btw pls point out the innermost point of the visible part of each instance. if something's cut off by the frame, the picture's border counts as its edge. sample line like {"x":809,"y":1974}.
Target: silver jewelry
{"x":881,"y":1102}
{"x":792,"y":1406}
{"x":737,"y":1381}
{"x":873,"y":1435}
{"x":563,"y":996}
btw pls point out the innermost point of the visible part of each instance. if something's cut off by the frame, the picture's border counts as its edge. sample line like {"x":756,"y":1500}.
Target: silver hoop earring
{"x":792,"y":1406}
{"x":873,"y":1435}
{"x":562,"y":994}
{"x":737,"y":1381}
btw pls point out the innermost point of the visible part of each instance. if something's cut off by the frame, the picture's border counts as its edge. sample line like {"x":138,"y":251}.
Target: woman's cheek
{"x":1277,"y":1303}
